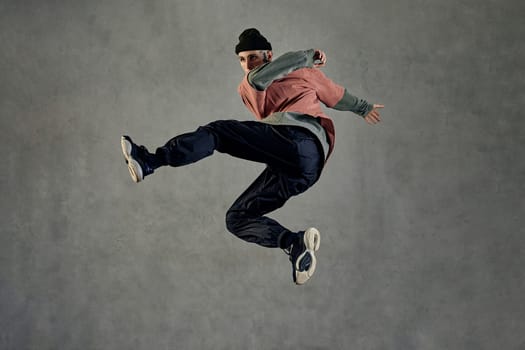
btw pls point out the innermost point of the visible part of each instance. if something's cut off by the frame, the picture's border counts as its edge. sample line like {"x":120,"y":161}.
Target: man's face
{"x":253,"y":59}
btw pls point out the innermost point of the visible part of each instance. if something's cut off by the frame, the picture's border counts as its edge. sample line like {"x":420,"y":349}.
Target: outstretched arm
{"x":349,"y":102}
{"x":370,"y":112}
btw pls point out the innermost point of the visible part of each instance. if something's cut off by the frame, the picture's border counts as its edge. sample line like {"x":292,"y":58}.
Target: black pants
{"x":294,"y":160}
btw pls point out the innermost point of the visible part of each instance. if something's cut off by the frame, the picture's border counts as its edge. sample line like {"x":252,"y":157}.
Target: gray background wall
{"x":421,"y":216}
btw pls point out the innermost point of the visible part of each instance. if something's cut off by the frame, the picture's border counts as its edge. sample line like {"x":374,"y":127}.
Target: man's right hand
{"x":319,"y":59}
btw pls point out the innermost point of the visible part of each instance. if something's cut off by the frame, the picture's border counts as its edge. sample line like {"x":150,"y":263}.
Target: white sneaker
{"x":302,"y":255}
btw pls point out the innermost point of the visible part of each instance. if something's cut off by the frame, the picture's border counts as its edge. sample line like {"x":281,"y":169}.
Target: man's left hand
{"x":373,"y":116}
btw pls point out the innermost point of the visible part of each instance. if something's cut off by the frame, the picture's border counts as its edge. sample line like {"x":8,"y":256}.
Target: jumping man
{"x":292,"y":136}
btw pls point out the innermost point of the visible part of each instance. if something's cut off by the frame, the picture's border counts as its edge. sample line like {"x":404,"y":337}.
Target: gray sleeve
{"x":261,"y":77}
{"x":353,"y":104}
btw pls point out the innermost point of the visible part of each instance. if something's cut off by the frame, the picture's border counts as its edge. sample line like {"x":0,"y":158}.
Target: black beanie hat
{"x":250,"y":39}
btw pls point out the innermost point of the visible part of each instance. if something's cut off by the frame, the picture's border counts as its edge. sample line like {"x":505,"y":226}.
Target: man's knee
{"x":299,"y":185}
{"x":234,"y":221}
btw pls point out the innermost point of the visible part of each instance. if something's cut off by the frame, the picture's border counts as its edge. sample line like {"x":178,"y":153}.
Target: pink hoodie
{"x":300,"y":91}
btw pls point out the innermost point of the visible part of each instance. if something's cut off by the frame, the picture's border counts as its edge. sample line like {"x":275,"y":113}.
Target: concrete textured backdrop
{"x":422,"y":216}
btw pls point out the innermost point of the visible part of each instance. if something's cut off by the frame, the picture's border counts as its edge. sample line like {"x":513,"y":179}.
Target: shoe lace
{"x":288,"y":251}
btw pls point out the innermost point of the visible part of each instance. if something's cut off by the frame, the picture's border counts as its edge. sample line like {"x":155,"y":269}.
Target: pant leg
{"x":246,"y":218}
{"x":186,"y":148}
{"x":255,"y":141}
{"x":248,"y":140}
{"x":292,"y":154}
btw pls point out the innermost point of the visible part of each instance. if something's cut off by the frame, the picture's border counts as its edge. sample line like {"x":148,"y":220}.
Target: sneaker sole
{"x":312,"y":240}
{"x":133,"y":166}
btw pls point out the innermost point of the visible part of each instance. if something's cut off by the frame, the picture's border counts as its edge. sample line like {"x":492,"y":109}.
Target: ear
{"x":269,"y":54}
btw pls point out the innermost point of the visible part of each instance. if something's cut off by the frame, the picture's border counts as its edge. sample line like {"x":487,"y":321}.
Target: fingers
{"x":372,"y":119}
{"x":319,"y":55}
{"x":319,"y":58}
{"x":373,"y":116}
